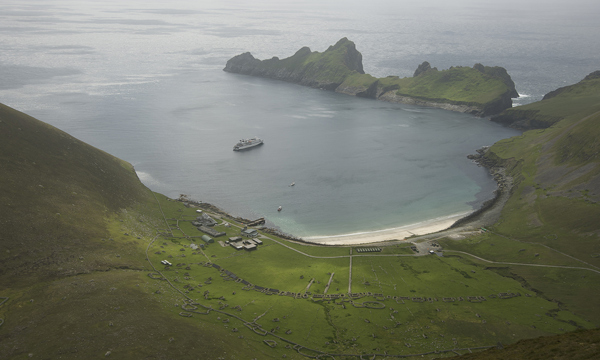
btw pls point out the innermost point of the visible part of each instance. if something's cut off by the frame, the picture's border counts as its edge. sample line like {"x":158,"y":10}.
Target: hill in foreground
{"x":577,"y":345}
{"x":74,"y":225}
{"x":478,"y":90}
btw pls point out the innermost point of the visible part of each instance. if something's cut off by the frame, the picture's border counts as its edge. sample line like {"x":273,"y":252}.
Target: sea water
{"x":144,"y":82}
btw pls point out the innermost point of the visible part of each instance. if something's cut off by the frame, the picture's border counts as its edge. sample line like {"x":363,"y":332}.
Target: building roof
{"x":206,"y":238}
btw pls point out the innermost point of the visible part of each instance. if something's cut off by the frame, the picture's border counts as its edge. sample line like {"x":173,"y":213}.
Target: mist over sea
{"x":143,"y":80}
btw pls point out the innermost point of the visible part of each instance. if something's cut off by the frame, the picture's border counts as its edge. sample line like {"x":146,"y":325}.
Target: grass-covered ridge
{"x":322,"y":70}
{"x":580,"y":99}
{"x":479,"y":90}
{"x":55,"y":193}
{"x":552,"y":215}
{"x":75,"y":223}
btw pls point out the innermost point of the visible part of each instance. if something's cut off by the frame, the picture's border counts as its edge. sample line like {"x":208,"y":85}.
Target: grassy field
{"x":404,"y":304}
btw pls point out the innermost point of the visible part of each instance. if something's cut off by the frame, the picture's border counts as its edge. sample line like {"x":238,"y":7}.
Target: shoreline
{"x":487,"y":214}
{"x":394,"y":234}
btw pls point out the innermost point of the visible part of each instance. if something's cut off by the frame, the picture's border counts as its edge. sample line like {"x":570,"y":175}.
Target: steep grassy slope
{"x":56,"y":192}
{"x":579,"y":100}
{"x":479,"y":90}
{"x":558,"y":185}
{"x":578,"y":345}
{"x":74,"y":225}
{"x":552,"y":216}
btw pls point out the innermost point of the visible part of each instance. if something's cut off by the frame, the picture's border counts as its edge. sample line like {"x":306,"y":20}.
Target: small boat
{"x":292,"y":184}
{"x":279,"y":208}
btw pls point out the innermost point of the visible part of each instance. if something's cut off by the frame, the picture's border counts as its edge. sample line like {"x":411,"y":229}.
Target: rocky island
{"x":478,"y":90}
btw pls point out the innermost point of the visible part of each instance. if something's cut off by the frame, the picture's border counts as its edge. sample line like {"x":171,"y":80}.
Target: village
{"x":389,"y":288}
{"x":248,"y":239}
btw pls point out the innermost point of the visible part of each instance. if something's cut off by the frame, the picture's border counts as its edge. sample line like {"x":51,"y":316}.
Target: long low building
{"x":207,"y":239}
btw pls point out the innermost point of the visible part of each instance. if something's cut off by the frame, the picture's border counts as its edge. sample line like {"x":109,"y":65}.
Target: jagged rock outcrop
{"x":424,"y":67}
{"x":340,"y":69}
{"x":501,"y":73}
{"x":304,"y":67}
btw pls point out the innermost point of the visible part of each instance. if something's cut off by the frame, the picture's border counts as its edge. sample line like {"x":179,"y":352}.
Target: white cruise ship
{"x":247,"y":143}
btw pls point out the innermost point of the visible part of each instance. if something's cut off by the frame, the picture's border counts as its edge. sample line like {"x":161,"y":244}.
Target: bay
{"x":144,"y":82}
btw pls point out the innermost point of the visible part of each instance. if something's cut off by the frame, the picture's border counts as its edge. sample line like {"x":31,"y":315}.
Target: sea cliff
{"x":478,"y":90}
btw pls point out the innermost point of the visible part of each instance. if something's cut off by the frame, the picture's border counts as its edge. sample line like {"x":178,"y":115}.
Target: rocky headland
{"x":478,"y":90}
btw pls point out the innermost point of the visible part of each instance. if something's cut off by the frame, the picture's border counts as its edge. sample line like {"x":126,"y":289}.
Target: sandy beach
{"x":399,"y":233}
{"x":488,"y":214}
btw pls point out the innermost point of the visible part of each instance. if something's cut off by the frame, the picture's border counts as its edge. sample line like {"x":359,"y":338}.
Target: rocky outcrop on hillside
{"x":424,"y":67}
{"x":392,"y":96}
{"x":522,"y":119}
{"x":499,"y":72}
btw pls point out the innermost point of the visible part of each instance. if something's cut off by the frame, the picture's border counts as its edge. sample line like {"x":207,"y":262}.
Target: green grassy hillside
{"x":578,"y":100}
{"x":578,"y":345}
{"x":479,"y":90}
{"x":479,"y":87}
{"x":74,"y":225}
{"x":552,"y":216}
{"x":325,"y":70}
{"x":56,"y":193}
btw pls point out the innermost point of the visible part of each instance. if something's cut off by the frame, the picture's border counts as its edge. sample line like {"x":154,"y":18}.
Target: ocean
{"x":143,"y":80}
